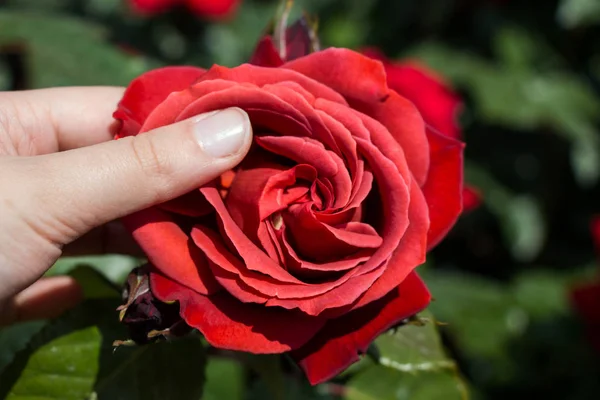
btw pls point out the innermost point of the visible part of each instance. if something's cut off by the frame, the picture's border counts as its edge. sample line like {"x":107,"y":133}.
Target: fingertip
{"x":47,"y":298}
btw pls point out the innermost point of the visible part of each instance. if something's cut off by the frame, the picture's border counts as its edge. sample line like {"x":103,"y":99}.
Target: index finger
{"x":59,"y":118}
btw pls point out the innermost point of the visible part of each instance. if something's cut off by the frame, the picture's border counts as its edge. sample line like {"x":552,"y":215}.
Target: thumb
{"x":87,"y":187}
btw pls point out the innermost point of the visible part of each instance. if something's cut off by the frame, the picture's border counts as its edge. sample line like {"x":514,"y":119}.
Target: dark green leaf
{"x":268,"y":368}
{"x":414,"y":347}
{"x":73,"y":358}
{"x":15,"y":338}
{"x":224,"y":379}
{"x":94,"y":284}
{"x":412,"y":365}
{"x":382,"y":383}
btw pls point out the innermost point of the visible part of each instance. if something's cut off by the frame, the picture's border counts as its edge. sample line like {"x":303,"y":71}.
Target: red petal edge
{"x":338,"y":344}
{"x":227,"y":323}
{"x":444,"y":186}
{"x":147,"y":91}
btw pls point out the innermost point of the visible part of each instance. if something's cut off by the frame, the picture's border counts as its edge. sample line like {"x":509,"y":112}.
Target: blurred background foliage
{"x":529,"y":74}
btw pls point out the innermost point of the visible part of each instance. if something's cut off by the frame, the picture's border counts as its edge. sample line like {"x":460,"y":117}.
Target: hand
{"x":61,"y":176}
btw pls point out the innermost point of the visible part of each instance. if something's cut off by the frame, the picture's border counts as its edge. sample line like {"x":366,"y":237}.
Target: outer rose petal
{"x":147,"y":91}
{"x":434,"y":98}
{"x":338,"y":344}
{"x":170,"y":249}
{"x":349,"y":73}
{"x":227,"y":323}
{"x":444,"y":186}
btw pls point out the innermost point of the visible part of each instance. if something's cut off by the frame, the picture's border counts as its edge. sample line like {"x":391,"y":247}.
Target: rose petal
{"x":147,"y":91}
{"x":349,"y":73}
{"x":261,"y":76}
{"x":191,"y":204}
{"x":409,"y":254}
{"x":228,"y":324}
{"x":309,"y":151}
{"x":321,"y":242}
{"x":444,"y":186}
{"x":271,"y":281}
{"x":340,"y":342}
{"x":429,"y":92}
{"x":405,"y":124}
{"x":170,"y":249}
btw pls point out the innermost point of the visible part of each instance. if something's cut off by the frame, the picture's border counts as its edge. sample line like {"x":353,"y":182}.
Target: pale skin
{"x":64,"y":182}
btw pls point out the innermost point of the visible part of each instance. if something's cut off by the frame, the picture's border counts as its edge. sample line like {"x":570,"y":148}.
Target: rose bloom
{"x":203,"y":8}
{"x":309,"y":246}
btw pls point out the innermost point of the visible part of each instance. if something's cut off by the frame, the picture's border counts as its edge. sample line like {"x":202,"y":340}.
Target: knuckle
{"x":20,"y":123}
{"x":154,"y":166}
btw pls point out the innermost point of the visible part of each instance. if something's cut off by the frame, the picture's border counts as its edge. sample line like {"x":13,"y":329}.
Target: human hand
{"x":61,"y":176}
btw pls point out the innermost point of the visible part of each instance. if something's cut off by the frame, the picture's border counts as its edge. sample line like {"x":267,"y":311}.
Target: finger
{"x":110,"y":238}
{"x":58,"y":118}
{"x":46,"y":298}
{"x":84,"y":188}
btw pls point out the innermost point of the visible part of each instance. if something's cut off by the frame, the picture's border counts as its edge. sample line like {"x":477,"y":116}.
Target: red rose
{"x":310,"y":245}
{"x":438,"y":103}
{"x":203,"y":8}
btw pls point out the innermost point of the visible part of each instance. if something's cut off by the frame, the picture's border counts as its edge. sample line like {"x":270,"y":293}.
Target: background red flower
{"x":217,"y":9}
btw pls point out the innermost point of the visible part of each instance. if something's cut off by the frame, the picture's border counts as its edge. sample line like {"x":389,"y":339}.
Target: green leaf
{"x":575,"y":13}
{"x":73,"y":358}
{"x":63,"y":51}
{"x":414,"y":347}
{"x":381,"y":383}
{"x":113,"y":267}
{"x":15,"y":338}
{"x":412,"y":365}
{"x":224,"y":379}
